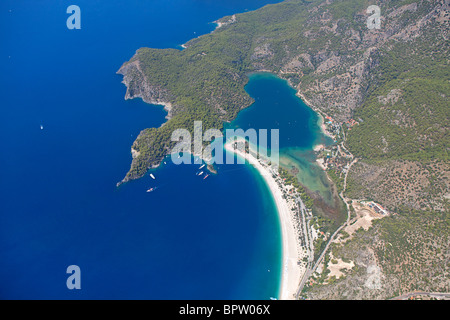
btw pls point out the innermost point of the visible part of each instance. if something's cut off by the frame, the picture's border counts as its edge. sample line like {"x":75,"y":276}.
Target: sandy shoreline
{"x":321,"y":123}
{"x":291,"y":272}
{"x":323,"y":127}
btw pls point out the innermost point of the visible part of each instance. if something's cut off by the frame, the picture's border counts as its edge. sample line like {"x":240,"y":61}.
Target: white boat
{"x":202,"y":166}
{"x":151,"y":189}
{"x":42,"y":127}
{"x":153,"y":177}
{"x":200,"y":173}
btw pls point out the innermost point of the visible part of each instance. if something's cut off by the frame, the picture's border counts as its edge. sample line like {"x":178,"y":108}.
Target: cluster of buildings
{"x":350,"y":123}
{"x":332,"y":126}
{"x":334,"y":158}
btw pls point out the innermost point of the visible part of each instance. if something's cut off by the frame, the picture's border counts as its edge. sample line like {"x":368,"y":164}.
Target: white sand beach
{"x":292,"y":272}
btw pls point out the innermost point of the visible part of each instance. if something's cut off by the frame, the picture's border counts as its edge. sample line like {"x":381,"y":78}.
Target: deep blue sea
{"x":217,"y":238}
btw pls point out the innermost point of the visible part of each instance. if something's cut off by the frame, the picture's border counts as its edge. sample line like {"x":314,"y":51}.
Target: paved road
{"x":309,"y":245}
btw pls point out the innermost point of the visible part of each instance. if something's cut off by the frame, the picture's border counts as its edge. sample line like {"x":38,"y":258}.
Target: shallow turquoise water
{"x":276,"y":106}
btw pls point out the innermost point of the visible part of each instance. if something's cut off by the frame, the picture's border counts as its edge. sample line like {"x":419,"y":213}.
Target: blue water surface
{"x":276,"y":106}
{"x":216,"y":238}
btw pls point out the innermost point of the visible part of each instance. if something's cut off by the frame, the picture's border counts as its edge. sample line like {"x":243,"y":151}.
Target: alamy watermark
{"x":250,"y":142}
{"x":74,"y":20}
{"x":374,"y":21}
{"x":74,"y":280}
